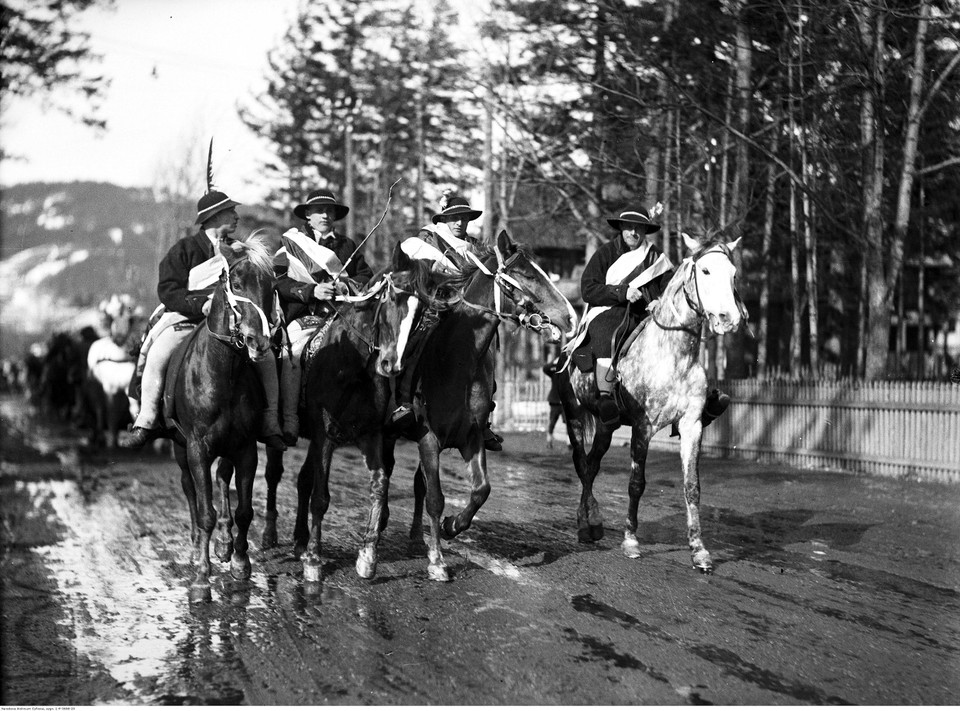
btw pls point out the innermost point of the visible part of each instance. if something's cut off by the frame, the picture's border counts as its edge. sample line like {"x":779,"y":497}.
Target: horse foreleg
{"x":418,"y":544}
{"x":301,"y":526}
{"x":639,"y":445}
{"x":433,"y":495}
{"x":379,"y":507}
{"x":691,"y":431}
{"x":475,"y":456}
{"x":199,"y":462}
{"x":223,"y":540}
{"x":246,"y":463}
{"x":319,"y":502}
{"x":273,"y":474}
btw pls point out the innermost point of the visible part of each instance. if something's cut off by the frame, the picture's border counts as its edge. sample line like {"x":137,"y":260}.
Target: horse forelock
{"x":255,"y":249}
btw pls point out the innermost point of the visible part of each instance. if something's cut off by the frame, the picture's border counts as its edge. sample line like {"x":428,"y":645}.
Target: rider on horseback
{"x":624,"y":276}
{"x":445,"y":244}
{"x":188,"y":275}
{"x":312,"y":267}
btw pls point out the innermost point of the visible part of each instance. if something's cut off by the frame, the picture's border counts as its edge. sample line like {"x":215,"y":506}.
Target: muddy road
{"x":828,"y":589}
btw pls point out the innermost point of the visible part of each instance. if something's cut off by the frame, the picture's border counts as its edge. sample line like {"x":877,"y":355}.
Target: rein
{"x":235,"y":339}
{"x":695,"y":306}
{"x":506,"y":285}
{"x":383,"y":288}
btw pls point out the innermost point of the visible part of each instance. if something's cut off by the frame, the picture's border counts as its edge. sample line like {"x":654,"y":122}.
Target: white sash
{"x":206,"y":273}
{"x":461,"y":246}
{"x":307,"y":257}
{"x":416,"y":248}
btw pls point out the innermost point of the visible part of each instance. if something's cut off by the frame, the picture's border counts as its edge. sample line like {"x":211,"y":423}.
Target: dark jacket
{"x":296,"y":297}
{"x":616,"y":322}
{"x":174,"y":271}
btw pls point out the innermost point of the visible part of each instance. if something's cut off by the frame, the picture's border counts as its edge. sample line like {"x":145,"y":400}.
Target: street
{"x":828,"y":588}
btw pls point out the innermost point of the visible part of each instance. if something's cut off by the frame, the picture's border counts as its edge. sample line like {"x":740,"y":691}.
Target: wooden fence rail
{"x":904,"y":429}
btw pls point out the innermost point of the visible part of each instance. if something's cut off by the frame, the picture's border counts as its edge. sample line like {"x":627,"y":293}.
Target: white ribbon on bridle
{"x":234,"y":300}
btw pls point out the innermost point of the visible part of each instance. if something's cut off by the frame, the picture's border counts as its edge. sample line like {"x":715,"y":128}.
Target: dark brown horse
{"x":346,"y":391}
{"x":217,"y":402}
{"x":455,"y":378}
{"x":661,"y":383}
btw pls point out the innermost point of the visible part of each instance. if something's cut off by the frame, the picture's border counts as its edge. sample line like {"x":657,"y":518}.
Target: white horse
{"x":661,"y":383}
{"x":110,"y":366}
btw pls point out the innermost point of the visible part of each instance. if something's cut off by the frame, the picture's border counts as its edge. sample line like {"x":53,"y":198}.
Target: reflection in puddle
{"x":124,"y":614}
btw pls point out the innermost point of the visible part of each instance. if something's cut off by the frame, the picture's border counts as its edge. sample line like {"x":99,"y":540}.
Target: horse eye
{"x":706,"y":271}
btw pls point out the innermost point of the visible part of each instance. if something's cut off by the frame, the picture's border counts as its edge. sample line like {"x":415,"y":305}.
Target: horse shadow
{"x":762,"y":536}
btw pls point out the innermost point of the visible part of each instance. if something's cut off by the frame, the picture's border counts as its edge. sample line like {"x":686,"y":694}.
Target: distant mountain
{"x":66,"y":246}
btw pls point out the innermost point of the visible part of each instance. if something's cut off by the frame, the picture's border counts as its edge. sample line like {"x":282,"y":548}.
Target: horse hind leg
{"x":418,"y":545}
{"x":639,"y":447}
{"x":587,"y":464}
{"x":223,"y":540}
{"x":433,"y":495}
{"x":273,"y":473}
{"x":318,"y":504}
{"x":199,"y":464}
{"x":479,"y":492}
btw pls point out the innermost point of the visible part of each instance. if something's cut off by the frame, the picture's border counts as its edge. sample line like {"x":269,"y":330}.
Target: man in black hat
{"x":622,"y":278}
{"x":188,"y":276}
{"x":444,"y":244}
{"x":314,"y":265}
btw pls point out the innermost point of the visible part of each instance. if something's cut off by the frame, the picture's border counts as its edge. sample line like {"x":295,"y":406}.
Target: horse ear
{"x":505,"y":245}
{"x":692,"y":244}
{"x":733,"y":245}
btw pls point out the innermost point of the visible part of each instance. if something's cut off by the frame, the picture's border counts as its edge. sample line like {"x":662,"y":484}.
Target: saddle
{"x":582,"y":357}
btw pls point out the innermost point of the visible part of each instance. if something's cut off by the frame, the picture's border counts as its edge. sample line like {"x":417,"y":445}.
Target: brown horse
{"x":346,"y":391}
{"x":454,"y":379}
{"x":218,"y":398}
{"x":661,"y":383}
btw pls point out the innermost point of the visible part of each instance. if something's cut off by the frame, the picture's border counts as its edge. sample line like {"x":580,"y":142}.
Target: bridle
{"x":695,"y":302}
{"x":530,"y":316}
{"x":384,"y":289}
{"x":234,"y":338}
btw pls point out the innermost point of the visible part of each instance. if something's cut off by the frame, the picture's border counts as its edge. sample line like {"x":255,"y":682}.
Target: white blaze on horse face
{"x":406,"y":327}
{"x":714,"y":274}
{"x":570,"y":317}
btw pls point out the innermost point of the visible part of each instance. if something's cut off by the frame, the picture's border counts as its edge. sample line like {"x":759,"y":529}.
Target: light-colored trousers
{"x":162,"y":345}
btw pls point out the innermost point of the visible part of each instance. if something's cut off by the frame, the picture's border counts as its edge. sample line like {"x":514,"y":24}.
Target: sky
{"x":178,"y":70}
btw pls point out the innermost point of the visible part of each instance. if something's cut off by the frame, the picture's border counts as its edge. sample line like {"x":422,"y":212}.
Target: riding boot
{"x":717,"y":403}
{"x":290,"y":398}
{"x":403,"y":416}
{"x":270,"y":425}
{"x":607,"y":408}
{"x":145,"y":427}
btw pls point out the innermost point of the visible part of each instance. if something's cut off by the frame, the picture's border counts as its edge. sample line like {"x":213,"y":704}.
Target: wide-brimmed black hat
{"x":321,"y":198}
{"x":456,"y":206}
{"x":211,"y":203}
{"x":634,"y":216}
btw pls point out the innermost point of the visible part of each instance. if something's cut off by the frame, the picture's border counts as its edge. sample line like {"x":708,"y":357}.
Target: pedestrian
{"x":553,"y":398}
{"x":188,"y":275}
{"x":315,"y":264}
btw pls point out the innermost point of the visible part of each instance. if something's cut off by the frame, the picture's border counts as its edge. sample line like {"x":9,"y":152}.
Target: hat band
{"x":456,"y":208}
{"x":213,"y":207}
{"x":322,"y":198}
{"x":635,"y":215}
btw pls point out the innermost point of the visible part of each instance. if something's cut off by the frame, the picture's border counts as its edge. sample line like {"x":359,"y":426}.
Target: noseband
{"x":235,"y":337}
{"x":530,"y":317}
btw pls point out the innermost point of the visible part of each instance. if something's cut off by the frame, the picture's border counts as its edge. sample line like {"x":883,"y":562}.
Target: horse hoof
{"x":447,"y":531}
{"x":703,"y":563}
{"x":269,"y":538}
{"x":438,"y":573}
{"x":312,"y":572}
{"x":583,"y":534}
{"x":299,"y":549}
{"x":596,"y":532}
{"x":366,"y":565}
{"x":223,"y":550}
{"x":631,"y":549}
{"x":240,"y":568}
{"x":200,"y":592}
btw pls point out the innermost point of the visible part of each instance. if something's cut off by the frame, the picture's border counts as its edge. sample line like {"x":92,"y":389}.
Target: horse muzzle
{"x":724,"y":322}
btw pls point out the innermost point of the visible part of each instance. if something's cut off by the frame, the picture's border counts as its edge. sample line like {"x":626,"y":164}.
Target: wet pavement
{"x":828,"y":589}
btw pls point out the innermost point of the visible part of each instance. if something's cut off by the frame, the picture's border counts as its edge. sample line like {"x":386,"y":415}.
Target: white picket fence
{"x":902,"y":429}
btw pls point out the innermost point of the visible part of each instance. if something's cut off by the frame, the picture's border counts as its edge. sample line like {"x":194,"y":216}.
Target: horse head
{"x":710,"y":288}
{"x":531,"y":297}
{"x":118,"y":315}
{"x":244,"y":309}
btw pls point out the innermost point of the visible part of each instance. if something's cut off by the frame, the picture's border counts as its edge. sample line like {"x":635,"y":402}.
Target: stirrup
{"x":608,"y":410}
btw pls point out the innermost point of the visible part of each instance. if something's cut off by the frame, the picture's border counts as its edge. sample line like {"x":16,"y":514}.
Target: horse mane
{"x":459,"y":281}
{"x":255,"y":248}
